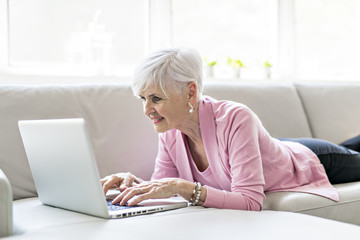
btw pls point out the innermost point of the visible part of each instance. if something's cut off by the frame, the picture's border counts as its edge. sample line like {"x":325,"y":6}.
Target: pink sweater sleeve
{"x":217,"y":198}
{"x":164,"y":165}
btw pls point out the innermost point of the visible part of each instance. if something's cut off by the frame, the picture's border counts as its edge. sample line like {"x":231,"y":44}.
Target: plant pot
{"x":209,"y":71}
{"x":268,"y":72}
{"x":236,"y":72}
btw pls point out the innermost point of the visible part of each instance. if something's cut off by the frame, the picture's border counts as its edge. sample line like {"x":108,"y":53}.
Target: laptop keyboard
{"x":116,"y":207}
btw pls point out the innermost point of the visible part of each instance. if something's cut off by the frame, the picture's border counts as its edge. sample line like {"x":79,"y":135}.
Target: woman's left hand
{"x":163,"y":188}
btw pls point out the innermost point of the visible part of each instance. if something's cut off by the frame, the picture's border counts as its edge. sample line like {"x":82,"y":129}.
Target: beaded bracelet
{"x":198,"y":193}
{"x":192,"y":199}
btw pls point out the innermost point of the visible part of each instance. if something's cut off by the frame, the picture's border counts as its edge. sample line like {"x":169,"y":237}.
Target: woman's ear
{"x":192,"y":90}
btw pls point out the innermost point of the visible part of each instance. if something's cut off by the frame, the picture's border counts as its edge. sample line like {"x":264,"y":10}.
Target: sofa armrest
{"x":6,"y":223}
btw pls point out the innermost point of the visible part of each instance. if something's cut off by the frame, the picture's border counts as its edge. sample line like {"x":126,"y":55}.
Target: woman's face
{"x":166,"y":112}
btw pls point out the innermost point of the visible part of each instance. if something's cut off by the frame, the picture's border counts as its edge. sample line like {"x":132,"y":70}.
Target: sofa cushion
{"x":346,"y":210}
{"x":277,"y":105}
{"x":123,"y":139}
{"x":333,"y":109}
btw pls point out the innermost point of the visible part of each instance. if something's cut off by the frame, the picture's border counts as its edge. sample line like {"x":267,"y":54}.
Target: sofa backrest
{"x":333,"y":109}
{"x":277,"y":105}
{"x":122,"y":137}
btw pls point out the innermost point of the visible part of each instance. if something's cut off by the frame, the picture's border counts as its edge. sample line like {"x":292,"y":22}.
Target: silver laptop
{"x":65,"y":172}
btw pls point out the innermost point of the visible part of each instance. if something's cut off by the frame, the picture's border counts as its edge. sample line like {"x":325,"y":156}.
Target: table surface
{"x":33,"y":220}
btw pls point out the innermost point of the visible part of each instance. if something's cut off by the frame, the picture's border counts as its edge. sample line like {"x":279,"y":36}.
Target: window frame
{"x":286,"y":39}
{"x":4,"y":36}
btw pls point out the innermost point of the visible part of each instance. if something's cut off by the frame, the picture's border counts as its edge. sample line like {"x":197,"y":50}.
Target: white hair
{"x":171,"y":68}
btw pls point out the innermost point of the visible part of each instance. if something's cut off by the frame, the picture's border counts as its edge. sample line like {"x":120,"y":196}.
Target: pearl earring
{"x":191,"y":108}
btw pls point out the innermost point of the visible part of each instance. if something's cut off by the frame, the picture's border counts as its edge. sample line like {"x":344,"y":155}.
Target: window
{"x":327,"y":38}
{"x":242,"y":29}
{"x":82,"y":36}
{"x":300,"y":39}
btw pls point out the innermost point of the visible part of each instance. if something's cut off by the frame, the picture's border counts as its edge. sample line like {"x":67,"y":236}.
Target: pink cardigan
{"x":245,"y":160}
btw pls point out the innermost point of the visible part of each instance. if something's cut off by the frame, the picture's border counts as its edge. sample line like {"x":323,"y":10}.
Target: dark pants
{"x":341,"y":162}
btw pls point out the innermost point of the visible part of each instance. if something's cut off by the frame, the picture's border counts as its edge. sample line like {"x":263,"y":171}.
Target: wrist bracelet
{"x":198,"y":193}
{"x":192,"y":199}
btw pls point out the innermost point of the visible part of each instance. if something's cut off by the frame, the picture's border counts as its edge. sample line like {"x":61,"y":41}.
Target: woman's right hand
{"x":120,"y":180}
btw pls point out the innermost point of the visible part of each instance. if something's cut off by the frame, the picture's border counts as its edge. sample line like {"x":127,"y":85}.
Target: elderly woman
{"x":217,"y":153}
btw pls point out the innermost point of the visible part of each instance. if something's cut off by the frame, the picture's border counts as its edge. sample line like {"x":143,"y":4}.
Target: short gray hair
{"x":170,"y":68}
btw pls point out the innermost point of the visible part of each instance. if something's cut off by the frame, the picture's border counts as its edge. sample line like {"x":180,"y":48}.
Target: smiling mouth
{"x":157,"y":119}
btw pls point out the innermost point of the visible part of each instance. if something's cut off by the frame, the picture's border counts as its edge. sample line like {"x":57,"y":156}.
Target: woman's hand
{"x":120,"y":180}
{"x":156,"y":189}
{"x":164,"y":188}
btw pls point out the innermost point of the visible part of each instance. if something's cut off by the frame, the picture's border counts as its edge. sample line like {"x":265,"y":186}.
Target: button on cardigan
{"x":245,"y":160}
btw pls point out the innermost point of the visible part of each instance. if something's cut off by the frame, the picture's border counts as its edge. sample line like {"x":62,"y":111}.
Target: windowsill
{"x":51,"y":79}
{"x":36,"y":79}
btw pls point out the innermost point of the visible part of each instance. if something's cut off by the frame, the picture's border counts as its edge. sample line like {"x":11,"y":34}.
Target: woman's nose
{"x":147,"y":108}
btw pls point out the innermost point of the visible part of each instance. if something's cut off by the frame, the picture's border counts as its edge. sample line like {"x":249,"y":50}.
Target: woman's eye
{"x":156,"y":99}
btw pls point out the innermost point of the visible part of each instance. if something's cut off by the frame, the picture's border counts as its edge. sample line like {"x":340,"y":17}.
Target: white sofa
{"x":124,"y":140}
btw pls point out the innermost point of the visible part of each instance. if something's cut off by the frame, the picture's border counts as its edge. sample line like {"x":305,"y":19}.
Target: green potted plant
{"x":236,"y":65}
{"x":209,"y":67}
{"x":267,"y":67}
